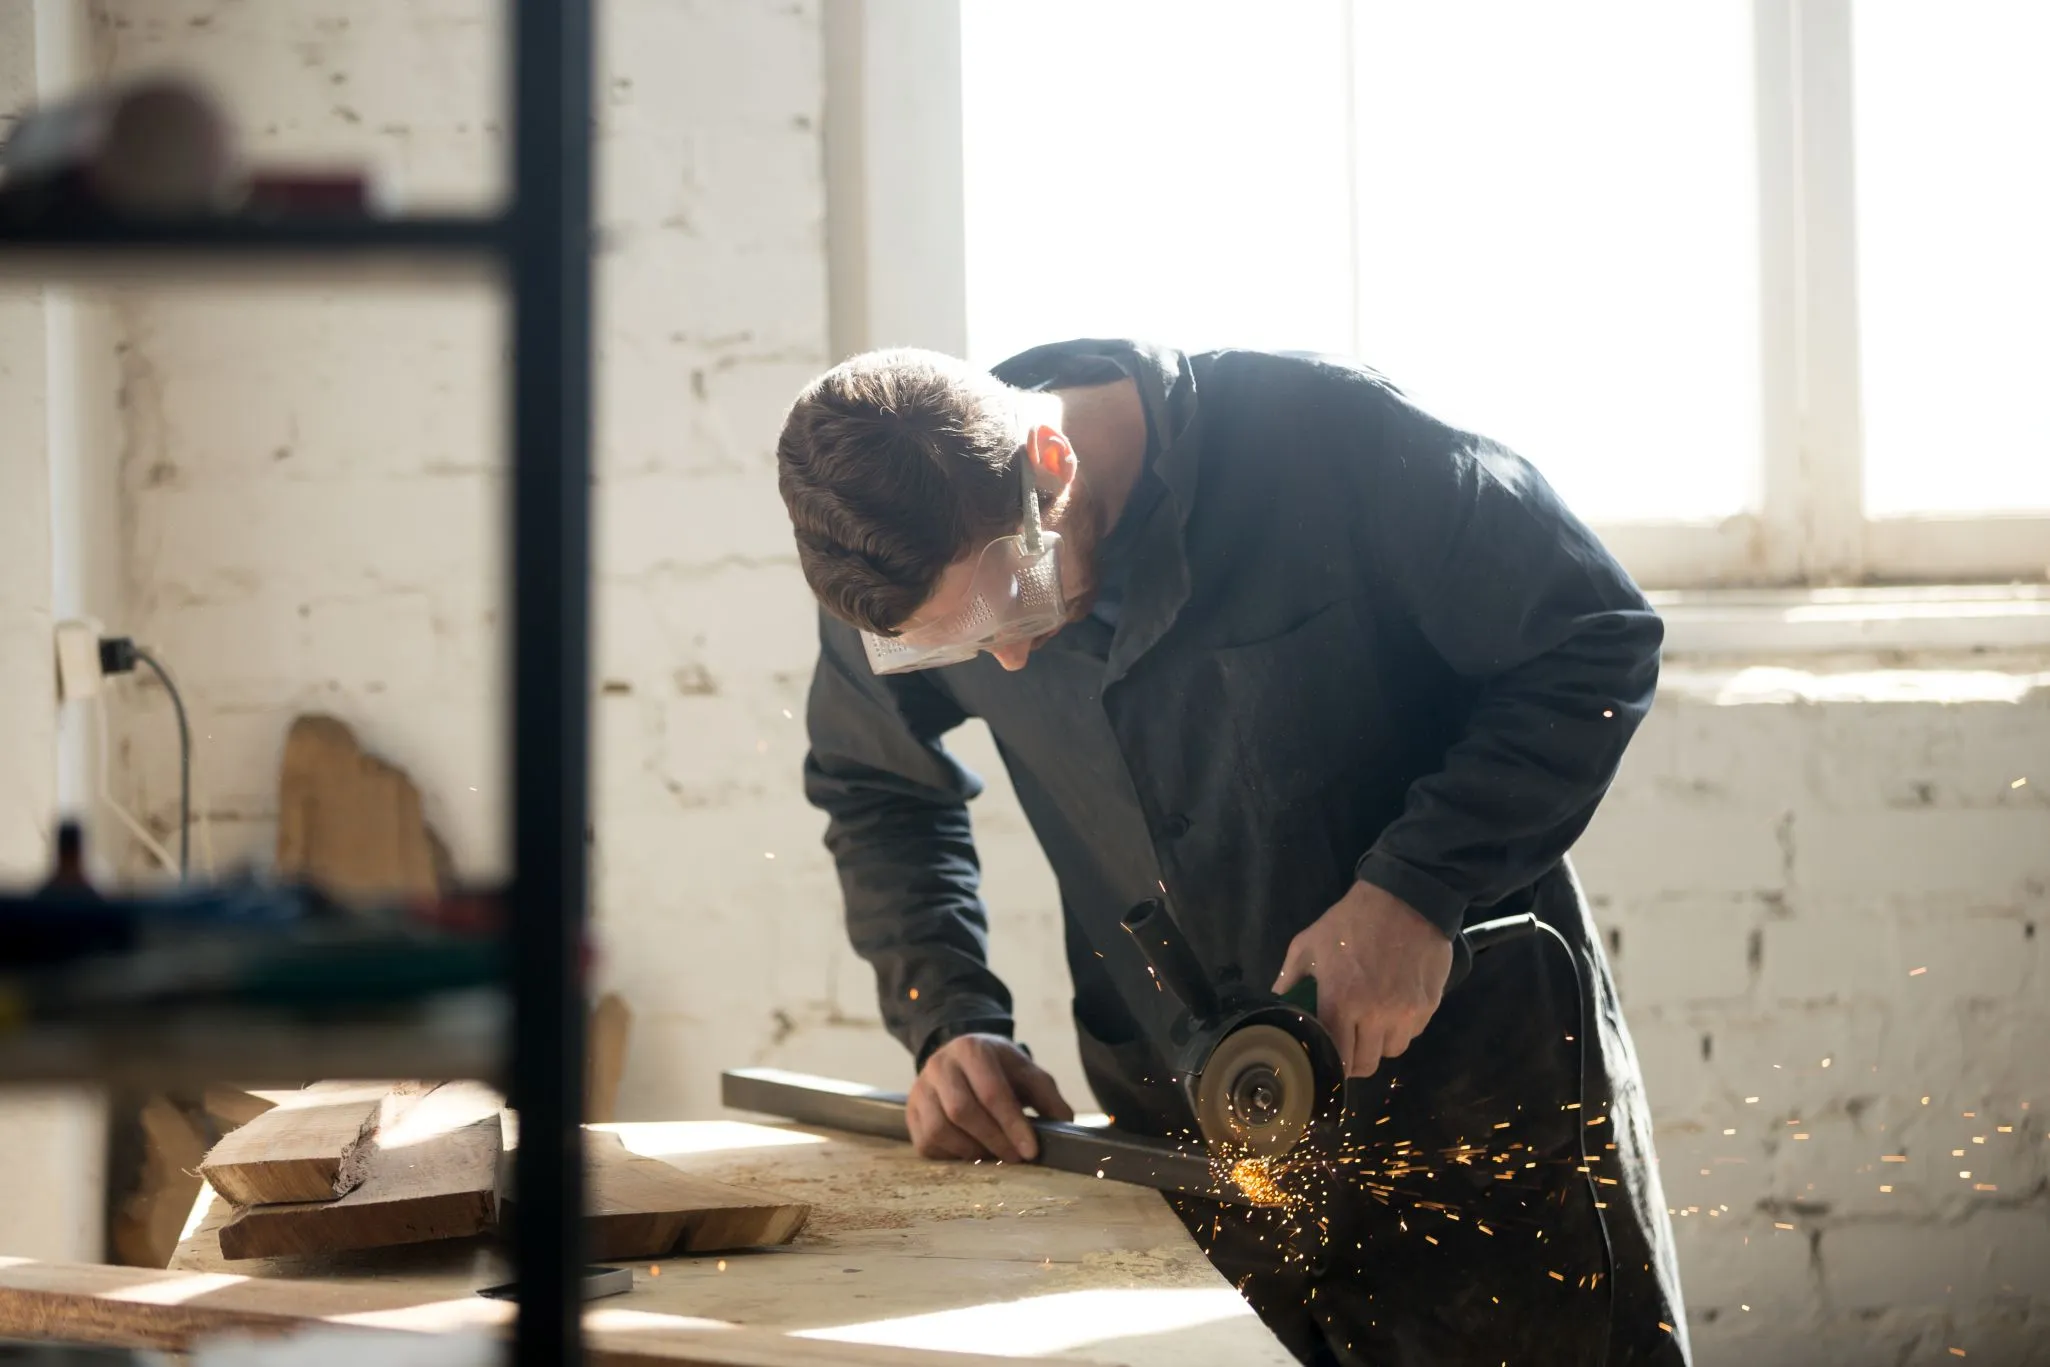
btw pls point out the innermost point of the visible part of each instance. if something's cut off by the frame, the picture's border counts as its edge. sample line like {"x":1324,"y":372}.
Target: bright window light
{"x":1953,"y":173}
{"x":1167,"y":169}
{"x":1558,"y":238}
{"x":1548,"y":233}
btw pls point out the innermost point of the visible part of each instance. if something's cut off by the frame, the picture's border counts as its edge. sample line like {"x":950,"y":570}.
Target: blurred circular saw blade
{"x":1257,"y":1092}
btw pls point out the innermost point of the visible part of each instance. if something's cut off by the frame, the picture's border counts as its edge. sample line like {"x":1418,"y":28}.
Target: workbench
{"x":983,"y":1258}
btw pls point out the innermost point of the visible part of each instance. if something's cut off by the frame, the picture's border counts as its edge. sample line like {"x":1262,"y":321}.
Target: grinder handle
{"x":1469,"y":942}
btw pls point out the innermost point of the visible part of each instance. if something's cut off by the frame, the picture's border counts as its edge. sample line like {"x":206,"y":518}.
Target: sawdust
{"x":1161,"y":1266}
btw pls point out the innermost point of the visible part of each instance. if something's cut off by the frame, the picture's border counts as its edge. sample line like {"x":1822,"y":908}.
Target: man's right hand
{"x":970,"y":1098}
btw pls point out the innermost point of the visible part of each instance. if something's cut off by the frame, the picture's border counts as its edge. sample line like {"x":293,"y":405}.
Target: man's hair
{"x":894,"y":465}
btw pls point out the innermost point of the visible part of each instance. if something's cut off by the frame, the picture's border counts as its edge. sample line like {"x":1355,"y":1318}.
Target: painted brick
{"x":1891,"y":853}
{"x":1965,"y":955}
{"x":1655,"y":847}
{"x":1691,"y":949}
{"x":1829,"y":950}
{"x":1995,"y":1252}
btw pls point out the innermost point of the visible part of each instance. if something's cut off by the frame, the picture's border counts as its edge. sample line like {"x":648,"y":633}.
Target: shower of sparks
{"x":1253,"y":1177}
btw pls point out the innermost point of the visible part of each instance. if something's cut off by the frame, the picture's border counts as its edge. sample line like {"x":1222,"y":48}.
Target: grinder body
{"x":1260,"y":1071}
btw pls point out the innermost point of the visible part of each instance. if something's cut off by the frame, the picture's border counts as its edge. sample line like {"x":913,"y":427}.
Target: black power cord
{"x":120,"y":655}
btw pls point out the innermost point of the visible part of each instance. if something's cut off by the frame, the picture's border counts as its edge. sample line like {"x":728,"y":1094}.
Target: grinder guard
{"x":1259,"y":1073}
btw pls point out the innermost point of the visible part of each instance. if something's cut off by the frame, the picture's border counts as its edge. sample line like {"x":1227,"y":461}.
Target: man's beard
{"x":1080,"y":524}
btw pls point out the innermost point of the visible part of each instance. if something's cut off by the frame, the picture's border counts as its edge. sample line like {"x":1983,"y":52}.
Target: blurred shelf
{"x":450,"y":1035}
{"x":313,"y":248}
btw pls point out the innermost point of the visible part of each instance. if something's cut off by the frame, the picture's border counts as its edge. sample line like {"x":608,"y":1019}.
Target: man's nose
{"x":1013,"y":657}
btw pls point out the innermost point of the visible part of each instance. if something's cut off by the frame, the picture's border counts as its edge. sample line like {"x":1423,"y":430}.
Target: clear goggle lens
{"x":1016,"y":595}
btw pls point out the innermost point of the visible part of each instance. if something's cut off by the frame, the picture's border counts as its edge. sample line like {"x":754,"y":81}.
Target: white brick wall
{"x":311,"y":488}
{"x":1772,"y":872}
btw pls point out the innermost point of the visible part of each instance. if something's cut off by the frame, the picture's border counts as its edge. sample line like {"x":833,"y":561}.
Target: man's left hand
{"x":1380,"y":969}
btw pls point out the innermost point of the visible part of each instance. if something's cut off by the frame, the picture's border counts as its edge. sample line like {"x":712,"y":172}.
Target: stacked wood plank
{"x":337,"y":1168}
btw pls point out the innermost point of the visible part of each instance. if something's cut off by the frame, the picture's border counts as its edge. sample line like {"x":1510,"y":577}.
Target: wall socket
{"x":78,"y":660}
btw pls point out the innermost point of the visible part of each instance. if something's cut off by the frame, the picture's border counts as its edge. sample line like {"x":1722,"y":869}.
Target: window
{"x":1757,"y":286}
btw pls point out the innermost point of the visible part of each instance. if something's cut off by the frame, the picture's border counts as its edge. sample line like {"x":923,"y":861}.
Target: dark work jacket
{"x":1353,"y":642}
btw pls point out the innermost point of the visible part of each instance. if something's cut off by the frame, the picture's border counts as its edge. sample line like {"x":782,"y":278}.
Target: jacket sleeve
{"x":1514,"y":593}
{"x":898,"y":829}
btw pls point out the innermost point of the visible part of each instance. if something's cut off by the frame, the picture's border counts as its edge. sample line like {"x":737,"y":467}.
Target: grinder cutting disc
{"x":1256,"y":1092}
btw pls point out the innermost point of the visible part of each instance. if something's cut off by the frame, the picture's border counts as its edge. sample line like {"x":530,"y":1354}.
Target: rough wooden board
{"x":303,"y":1151}
{"x":924,"y":1239}
{"x":144,"y":1308}
{"x":152,"y":1219}
{"x":348,"y":822}
{"x":611,"y":1023}
{"x":422,"y":1180}
{"x":640,"y":1207}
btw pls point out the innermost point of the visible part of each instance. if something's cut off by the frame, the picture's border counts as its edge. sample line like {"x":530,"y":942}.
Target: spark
{"x":1984,"y":1186}
{"x":2006,"y":1129}
{"x":786,"y":714}
{"x":1555,"y":1276}
{"x":1978,"y":1139}
{"x":1802,"y":1135}
{"x":722,"y":1264}
{"x":1825,"y":1063}
{"x":654,"y":1269}
{"x":1964,"y":1177}
{"x":1750,"y":1101}
{"x":914,"y":994}
{"x":1256,"y":1178}
{"x":1884,"y":1187}
{"x":2018,"y":783}
{"x":1729,"y":1132}
{"x":1917,"y":972}
{"x":1781,"y":1224}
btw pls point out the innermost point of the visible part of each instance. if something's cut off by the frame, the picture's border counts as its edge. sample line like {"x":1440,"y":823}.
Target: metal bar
{"x":1069,"y":1148}
{"x":549,"y":260}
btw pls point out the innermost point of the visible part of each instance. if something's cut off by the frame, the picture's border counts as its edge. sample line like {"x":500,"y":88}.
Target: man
{"x":1252,"y":630}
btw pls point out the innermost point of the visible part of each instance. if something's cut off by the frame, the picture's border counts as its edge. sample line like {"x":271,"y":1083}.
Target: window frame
{"x":897,"y":265}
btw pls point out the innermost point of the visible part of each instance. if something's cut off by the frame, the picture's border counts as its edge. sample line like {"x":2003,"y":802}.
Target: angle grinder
{"x":1260,"y":1071}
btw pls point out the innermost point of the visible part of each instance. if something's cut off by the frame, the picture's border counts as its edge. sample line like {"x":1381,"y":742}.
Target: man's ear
{"x":1052,"y":456}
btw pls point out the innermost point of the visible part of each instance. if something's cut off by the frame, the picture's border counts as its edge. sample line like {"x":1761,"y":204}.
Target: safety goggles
{"x":1015,"y":595}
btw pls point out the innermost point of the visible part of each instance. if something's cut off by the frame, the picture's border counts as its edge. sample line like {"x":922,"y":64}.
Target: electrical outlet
{"x":78,"y":660}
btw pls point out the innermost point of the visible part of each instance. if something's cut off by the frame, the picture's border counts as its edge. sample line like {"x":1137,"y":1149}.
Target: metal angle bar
{"x":1107,"y":1154}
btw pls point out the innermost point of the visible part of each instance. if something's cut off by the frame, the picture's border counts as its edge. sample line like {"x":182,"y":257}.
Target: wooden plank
{"x":169,"y":1311}
{"x":349,"y":822}
{"x":302,"y":1151}
{"x":430,"y":1172}
{"x":152,"y":1219}
{"x":611,"y":1022}
{"x":940,"y":1249}
{"x":643,"y":1208}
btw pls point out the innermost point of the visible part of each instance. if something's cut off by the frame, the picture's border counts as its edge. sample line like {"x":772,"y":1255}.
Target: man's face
{"x":1072,"y":516}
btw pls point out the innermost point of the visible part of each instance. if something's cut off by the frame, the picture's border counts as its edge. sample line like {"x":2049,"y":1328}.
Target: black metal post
{"x":549,"y":261}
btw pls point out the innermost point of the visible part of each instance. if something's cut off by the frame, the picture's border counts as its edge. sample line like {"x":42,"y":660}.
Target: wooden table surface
{"x":986,"y":1258}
